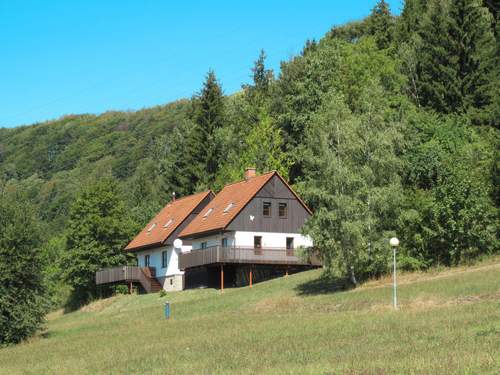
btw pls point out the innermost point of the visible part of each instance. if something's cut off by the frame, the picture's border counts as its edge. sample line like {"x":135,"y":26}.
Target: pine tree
{"x":23,"y":300}
{"x":97,"y":231}
{"x":381,"y":24}
{"x":438,"y":64}
{"x":457,"y":59}
{"x":470,"y":30}
{"x":208,"y":116}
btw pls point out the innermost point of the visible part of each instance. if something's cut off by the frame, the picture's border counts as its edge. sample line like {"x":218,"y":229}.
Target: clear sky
{"x":67,"y":57}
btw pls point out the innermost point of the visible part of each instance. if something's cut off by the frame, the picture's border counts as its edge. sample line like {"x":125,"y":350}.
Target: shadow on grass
{"x":324,"y":284}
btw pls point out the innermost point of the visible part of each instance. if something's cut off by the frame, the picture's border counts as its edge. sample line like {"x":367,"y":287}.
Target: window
{"x":146,"y":260}
{"x":257,"y":244}
{"x":164,"y":259}
{"x":224,"y":242}
{"x":151,"y":227}
{"x":171,"y":281}
{"x":266,"y":209}
{"x":209,"y":211}
{"x":228,"y":207}
{"x":167,"y":224}
{"x":289,"y":246}
{"x":203,"y":245}
{"x":283,"y":210}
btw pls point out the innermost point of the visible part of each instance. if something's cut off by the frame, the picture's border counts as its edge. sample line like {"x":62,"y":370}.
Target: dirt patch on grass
{"x":99,"y":305}
{"x":278,"y":304}
{"x":409,"y":278}
{"x":425,"y":303}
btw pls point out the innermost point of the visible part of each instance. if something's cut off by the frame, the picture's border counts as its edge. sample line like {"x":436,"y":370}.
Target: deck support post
{"x":250,"y":276}
{"x":130,"y":287}
{"x":221,"y":278}
{"x":286,"y":271}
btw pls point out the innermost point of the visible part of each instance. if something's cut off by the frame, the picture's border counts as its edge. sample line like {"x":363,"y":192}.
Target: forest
{"x":385,"y":126}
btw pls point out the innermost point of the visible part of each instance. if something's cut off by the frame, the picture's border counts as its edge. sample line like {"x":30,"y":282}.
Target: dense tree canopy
{"x":387,"y":126}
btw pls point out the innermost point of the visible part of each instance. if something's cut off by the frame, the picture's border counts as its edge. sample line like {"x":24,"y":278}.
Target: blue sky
{"x":68,"y":57}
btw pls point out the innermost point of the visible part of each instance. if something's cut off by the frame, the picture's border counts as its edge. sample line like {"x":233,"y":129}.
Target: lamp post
{"x":394,"y":243}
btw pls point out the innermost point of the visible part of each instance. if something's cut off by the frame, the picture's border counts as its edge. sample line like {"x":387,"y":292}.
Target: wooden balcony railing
{"x":218,"y":254}
{"x":143,"y":275}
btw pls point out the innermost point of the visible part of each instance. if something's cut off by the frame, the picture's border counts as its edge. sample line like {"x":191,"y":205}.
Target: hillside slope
{"x":289,"y":325}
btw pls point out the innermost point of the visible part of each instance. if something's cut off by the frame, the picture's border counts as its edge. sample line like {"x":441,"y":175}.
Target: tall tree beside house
{"x":23,"y":296}
{"x":352,"y":181}
{"x":208,"y":116}
{"x":98,"y":229}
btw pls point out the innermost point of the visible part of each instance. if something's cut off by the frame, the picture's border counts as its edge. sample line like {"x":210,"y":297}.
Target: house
{"x":157,"y":259}
{"x":251,"y":230}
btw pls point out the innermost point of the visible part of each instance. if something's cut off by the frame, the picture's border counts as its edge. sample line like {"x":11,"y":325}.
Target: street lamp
{"x":394,"y":243}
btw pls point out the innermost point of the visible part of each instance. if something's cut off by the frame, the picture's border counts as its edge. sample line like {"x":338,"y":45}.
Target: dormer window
{"x":151,"y":227}
{"x":167,"y":224}
{"x":209,"y":211}
{"x":228,"y":207}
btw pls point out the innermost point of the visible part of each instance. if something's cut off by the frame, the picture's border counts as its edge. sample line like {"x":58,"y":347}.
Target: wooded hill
{"x":385,"y":126}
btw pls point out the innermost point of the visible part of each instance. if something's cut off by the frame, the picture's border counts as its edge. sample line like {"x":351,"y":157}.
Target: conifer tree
{"x":208,"y":116}
{"x":470,"y":31}
{"x":438,"y":64}
{"x":380,"y":24}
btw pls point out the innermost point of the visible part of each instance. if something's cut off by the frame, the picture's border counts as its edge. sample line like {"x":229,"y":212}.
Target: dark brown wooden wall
{"x":275,"y":191}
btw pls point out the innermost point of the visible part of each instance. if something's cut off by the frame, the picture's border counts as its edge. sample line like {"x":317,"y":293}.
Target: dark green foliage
{"x":380,"y":24}
{"x":380,"y":124}
{"x":98,"y":229}
{"x":208,"y":115}
{"x":23,"y":299}
{"x":457,"y":62}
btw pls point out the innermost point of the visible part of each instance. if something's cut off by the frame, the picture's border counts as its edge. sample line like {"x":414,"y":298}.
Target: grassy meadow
{"x":448,"y":322}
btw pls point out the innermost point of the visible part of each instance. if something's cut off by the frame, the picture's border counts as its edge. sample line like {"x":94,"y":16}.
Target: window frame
{"x":269,"y":206}
{"x":224,"y":242}
{"x":281,"y":204}
{"x":290,"y":250}
{"x":164,"y":259}
{"x":203,"y":245}
{"x":257,"y":245}
{"x":147,"y":260}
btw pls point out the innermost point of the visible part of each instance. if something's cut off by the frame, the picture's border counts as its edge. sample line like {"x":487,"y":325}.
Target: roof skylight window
{"x":209,"y":211}
{"x":151,"y":227}
{"x":167,"y":224}
{"x":228,"y":207}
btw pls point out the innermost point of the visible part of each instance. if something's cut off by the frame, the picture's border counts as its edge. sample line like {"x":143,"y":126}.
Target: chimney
{"x":250,"y":172}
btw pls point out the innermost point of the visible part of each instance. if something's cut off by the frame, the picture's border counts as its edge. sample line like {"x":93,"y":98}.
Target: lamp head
{"x":394,"y":242}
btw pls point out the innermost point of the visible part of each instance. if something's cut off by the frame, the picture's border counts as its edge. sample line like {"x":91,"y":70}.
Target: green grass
{"x":449,"y":322}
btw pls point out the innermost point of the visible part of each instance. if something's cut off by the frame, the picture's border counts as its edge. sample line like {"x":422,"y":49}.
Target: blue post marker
{"x":167,"y":310}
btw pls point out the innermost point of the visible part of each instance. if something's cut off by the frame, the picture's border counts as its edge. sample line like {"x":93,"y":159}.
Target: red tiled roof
{"x":156,"y":232}
{"x":228,"y":204}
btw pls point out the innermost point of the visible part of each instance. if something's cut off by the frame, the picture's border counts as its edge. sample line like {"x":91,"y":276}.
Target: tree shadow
{"x":325,"y":284}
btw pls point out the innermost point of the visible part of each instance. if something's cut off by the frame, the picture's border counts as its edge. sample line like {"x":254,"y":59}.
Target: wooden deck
{"x":248,"y":255}
{"x":129,"y":274}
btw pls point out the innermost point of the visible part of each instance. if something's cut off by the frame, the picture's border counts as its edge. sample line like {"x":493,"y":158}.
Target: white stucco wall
{"x":271,"y":239}
{"x":214,"y":240}
{"x":155,"y":260}
{"x":245,"y":239}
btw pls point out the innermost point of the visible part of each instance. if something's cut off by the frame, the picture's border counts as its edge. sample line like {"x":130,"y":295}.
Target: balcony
{"x":248,"y":255}
{"x":129,"y":274}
